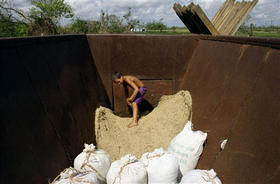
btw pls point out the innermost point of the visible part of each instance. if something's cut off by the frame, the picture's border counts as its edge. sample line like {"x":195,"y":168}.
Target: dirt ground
{"x":155,"y":130}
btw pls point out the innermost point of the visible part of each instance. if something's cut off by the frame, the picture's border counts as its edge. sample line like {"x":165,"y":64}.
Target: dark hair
{"x":116,"y":75}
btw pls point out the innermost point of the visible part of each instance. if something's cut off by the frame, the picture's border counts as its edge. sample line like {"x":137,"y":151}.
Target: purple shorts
{"x":140,"y":94}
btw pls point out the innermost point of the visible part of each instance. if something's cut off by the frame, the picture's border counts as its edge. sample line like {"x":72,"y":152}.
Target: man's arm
{"x":136,"y":89}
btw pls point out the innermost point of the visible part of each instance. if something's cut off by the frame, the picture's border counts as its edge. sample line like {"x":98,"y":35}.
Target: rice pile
{"x":154,"y":130}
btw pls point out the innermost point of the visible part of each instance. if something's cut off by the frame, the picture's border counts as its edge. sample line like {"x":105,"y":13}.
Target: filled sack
{"x":94,"y":160}
{"x":187,"y":147}
{"x":200,"y":177}
{"x":73,"y":176}
{"x":162,"y":167}
{"x":127,"y":170}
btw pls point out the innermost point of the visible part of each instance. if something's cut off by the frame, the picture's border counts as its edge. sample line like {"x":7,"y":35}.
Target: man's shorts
{"x":140,"y":94}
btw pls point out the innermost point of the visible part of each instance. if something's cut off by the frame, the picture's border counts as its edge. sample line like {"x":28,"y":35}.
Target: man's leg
{"x":135,"y":114}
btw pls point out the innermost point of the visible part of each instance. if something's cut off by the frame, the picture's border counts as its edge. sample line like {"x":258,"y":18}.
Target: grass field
{"x":169,"y":31}
{"x":258,"y":32}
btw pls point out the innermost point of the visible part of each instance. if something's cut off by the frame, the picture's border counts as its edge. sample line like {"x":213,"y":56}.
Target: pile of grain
{"x":155,"y":130}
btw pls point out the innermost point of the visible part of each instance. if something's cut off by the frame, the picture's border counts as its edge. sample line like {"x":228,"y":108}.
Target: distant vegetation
{"x":44,"y":18}
{"x":259,"y":31}
{"x":271,"y":31}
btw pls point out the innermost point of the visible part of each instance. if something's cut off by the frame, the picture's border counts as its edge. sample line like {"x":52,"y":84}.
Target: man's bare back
{"x":129,"y":78}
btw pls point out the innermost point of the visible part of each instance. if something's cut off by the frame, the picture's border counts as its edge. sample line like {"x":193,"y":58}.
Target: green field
{"x":258,"y":32}
{"x":168,"y":31}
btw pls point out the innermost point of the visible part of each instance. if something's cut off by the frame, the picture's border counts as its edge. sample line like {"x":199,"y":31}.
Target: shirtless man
{"x":137,"y":95}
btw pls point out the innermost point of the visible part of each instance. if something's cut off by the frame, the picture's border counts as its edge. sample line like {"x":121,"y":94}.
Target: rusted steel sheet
{"x":29,"y":143}
{"x":253,"y":148}
{"x":207,"y":88}
{"x":185,"y":50}
{"x":235,"y":97}
{"x":265,"y":42}
{"x":149,"y":57}
{"x":49,"y":91}
{"x":119,"y":95}
{"x":48,"y":99}
{"x":155,"y":89}
{"x":101,"y":51}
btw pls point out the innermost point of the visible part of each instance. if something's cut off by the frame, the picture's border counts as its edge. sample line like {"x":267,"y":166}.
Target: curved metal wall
{"x":236,"y":96}
{"x":234,"y":83}
{"x":51,"y":86}
{"x":50,"y":89}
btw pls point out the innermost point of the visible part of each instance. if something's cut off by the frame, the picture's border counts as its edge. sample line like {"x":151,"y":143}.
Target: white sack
{"x":187,"y":147}
{"x":200,"y":177}
{"x":162,"y":167}
{"x":127,"y":170}
{"x":94,"y":160}
{"x":73,"y":176}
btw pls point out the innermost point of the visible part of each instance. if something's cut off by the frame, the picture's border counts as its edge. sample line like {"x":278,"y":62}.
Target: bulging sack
{"x":200,"y":177}
{"x":187,"y":147}
{"x":162,"y":167}
{"x":127,"y":170}
{"x":73,"y":176}
{"x":94,"y":160}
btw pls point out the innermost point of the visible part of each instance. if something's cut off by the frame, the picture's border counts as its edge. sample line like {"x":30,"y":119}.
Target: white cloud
{"x":149,"y":10}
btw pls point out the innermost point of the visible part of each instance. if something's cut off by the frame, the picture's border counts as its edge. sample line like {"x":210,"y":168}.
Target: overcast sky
{"x":264,"y":13}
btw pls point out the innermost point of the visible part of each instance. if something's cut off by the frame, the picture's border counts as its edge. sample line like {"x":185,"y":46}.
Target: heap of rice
{"x":155,"y":130}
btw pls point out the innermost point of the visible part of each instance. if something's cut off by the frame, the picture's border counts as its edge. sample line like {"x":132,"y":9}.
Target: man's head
{"x":117,"y":78}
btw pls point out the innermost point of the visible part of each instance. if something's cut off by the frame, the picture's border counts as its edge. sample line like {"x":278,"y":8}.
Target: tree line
{"x":44,"y":18}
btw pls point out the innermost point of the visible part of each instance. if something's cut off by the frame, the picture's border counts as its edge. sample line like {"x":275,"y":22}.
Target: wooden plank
{"x":219,"y":13}
{"x":183,"y":16}
{"x":231,"y":15}
{"x":226,"y":21}
{"x":235,"y":11}
{"x":224,"y":16}
{"x":177,"y":8}
{"x":199,"y":12}
{"x":195,"y":19}
{"x":235,"y":20}
{"x":181,"y":13}
{"x":187,"y":17}
{"x":191,"y":20}
{"x":234,"y":30}
{"x":197,"y":22}
{"x":227,"y":17}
